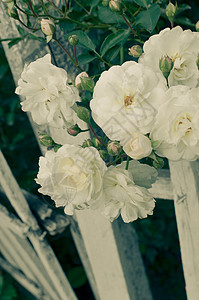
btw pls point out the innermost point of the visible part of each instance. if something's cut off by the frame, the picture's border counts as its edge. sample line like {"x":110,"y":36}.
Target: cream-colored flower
{"x":182,"y":47}
{"x":122,"y":195}
{"x":137,"y":146}
{"x":126,"y":99}
{"x":48,"y":97}
{"x":176,"y":129}
{"x":72,"y":177}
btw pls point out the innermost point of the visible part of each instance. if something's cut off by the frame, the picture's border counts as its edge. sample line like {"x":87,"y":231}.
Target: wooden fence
{"x":109,"y":252}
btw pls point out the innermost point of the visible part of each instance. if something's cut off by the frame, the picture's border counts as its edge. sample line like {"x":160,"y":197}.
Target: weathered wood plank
{"x":28,"y":284}
{"x":185,"y":179}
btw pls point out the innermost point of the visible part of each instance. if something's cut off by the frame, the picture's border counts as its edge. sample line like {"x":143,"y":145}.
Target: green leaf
{"x":108,"y":17}
{"x":77,"y":277}
{"x":85,"y":58}
{"x":94,"y":3}
{"x":83,"y":114}
{"x":15,"y":41}
{"x":114,"y":39}
{"x":66,"y":25}
{"x":149,"y":18}
{"x":35,"y":37}
{"x":21,"y":30}
{"x":84,"y":39}
{"x":143,"y":3}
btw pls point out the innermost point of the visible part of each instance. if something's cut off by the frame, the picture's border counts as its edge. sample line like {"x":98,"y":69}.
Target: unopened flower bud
{"x":74,"y":130}
{"x":97,"y":143}
{"x":158,"y":163}
{"x":166,"y":65}
{"x":48,"y":27}
{"x":87,"y":84}
{"x":114,"y":148}
{"x":46,"y":140}
{"x":73,"y":40}
{"x":87,"y":143}
{"x":83,"y":113}
{"x":115,"y":5}
{"x":103,"y":154}
{"x":197,"y":26}
{"x":105,"y":2}
{"x":171,"y":11}
{"x":78,"y":79}
{"x":135,"y":51}
{"x":12,"y":12}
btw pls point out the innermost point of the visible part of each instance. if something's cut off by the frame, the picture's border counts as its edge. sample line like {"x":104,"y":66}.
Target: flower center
{"x":128,"y":100}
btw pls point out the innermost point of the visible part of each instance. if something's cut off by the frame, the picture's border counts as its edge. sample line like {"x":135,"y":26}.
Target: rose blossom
{"x":176,"y":129}
{"x":126,"y":98}
{"x":72,"y":177}
{"x":182,"y":47}
{"x":128,"y":196}
{"x":138,"y":146}
{"x":48,"y":97}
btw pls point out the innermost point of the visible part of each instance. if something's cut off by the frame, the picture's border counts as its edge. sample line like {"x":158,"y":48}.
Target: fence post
{"x":185,"y":179}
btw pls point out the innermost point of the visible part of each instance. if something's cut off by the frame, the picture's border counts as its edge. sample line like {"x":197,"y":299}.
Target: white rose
{"x":48,"y":97}
{"x":176,"y":130}
{"x":138,"y":146}
{"x":123,"y":196}
{"x":72,"y":177}
{"x":126,"y":99}
{"x":182,"y":47}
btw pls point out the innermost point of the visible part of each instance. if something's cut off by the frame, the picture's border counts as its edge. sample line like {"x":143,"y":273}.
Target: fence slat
{"x":28,"y":284}
{"x":185,"y":179}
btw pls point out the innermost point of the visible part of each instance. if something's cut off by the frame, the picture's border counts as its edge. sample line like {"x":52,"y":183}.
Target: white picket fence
{"x":109,"y":252}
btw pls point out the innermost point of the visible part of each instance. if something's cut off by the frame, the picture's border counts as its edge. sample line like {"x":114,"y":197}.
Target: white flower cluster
{"x":134,"y":104}
{"x":77,"y":178}
{"x":137,"y":106}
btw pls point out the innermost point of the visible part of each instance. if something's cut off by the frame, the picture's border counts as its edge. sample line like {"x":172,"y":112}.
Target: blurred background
{"x":158,"y":237}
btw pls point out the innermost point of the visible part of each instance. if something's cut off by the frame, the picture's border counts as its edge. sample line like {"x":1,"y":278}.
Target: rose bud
{"x":171,"y":11}
{"x":103,"y":154}
{"x":12,"y":12}
{"x":74,"y":130}
{"x":138,"y":146}
{"x":197,"y":26}
{"x":48,"y":28}
{"x":87,"y":84}
{"x":97,"y":143}
{"x":46,"y":140}
{"x":73,"y":40}
{"x":78,"y":79}
{"x":115,"y":5}
{"x":135,"y":51}
{"x":114,"y":148}
{"x":87,"y":143}
{"x":166,"y":65}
